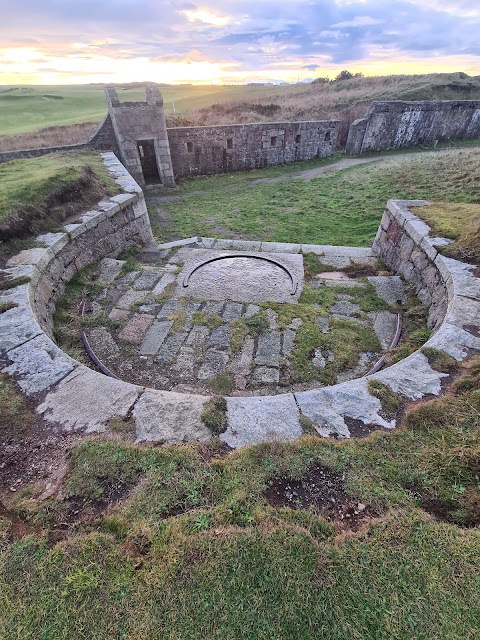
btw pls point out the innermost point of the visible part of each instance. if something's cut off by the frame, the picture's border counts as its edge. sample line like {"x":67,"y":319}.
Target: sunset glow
{"x":233,"y":42}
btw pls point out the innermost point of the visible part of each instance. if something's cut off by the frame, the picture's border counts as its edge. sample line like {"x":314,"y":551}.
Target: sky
{"x":226,"y":42}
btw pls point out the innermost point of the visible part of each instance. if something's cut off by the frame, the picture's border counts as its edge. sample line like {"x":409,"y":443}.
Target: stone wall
{"x":397,"y":124}
{"x":134,"y":122}
{"x":402,"y":242}
{"x":220,"y":149}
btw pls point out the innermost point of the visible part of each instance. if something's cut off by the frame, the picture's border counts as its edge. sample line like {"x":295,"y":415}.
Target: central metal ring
{"x":245,"y":255}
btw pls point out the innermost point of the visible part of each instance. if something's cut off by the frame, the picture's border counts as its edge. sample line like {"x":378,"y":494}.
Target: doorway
{"x":148,"y":159}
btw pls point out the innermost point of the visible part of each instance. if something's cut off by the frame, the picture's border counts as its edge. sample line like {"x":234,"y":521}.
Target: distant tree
{"x":348,"y":75}
{"x":321,"y":80}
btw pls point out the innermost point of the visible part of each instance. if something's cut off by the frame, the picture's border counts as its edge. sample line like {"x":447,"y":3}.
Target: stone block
{"x":261,"y":419}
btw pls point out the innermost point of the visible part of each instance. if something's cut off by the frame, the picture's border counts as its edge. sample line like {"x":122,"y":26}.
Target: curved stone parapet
{"x":75,"y":397}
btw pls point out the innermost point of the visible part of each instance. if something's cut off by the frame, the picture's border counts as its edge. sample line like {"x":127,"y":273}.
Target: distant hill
{"x":32,"y":116}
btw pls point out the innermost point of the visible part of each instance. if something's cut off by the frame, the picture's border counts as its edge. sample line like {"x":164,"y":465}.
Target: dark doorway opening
{"x":148,"y":159}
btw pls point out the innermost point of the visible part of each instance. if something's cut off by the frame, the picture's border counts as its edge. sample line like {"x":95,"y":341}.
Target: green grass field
{"x":183,"y":542}
{"x":343,"y":209}
{"x":28,"y":108}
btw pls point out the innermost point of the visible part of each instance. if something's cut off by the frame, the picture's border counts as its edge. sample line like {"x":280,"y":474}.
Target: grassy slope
{"x":342,"y":209}
{"x":38,"y":193}
{"x":25,"y":109}
{"x":458,"y":221}
{"x":193,"y":549}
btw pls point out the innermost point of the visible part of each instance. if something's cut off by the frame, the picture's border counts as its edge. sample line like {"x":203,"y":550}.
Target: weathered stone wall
{"x":402,"y":242}
{"x":397,"y":124}
{"x":119,"y":223}
{"x":137,"y":121}
{"x":102,"y":140}
{"x":220,"y":149}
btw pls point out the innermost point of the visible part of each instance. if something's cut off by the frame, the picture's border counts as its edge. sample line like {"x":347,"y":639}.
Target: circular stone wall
{"x":72,"y":396}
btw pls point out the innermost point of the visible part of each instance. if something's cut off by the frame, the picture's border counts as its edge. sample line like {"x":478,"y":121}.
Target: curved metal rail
{"x":379,"y":364}
{"x":245,"y":255}
{"x":91,"y":354}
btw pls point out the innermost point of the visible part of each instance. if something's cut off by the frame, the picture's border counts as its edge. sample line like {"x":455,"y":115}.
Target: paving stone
{"x":323,"y":322}
{"x":118,"y":315}
{"x":165,"y":416}
{"x":87,"y":400}
{"x":165,"y":280}
{"x":146,"y":281}
{"x":131,"y":298}
{"x":413,"y":377}
{"x":135,"y":330}
{"x":190,"y":309}
{"x":272,"y":318}
{"x":268,"y":349}
{"x":185,"y":362}
{"x":215,"y":362}
{"x":197,"y":336}
{"x":288,"y":341}
{"x":240,"y":382}
{"x":213,"y":308}
{"x":17,"y":325}
{"x":295,"y":324}
{"x":243,"y":361}
{"x":344,"y":308}
{"x":232,"y":311}
{"x":102,"y":342}
{"x":149,"y":309}
{"x":155,"y":337}
{"x":252,"y":309}
{"x":328,"y":407}
{"x":220,"y":337}
{"x":261,"y":419}
{"x":127,"y":279}
{"x":168,"y":309}
{"x":38,"y":364}
{"x":170,"y":348}
{"x":360,"y":369}
{"x":266,"y":375}
{"x":108,"y":270}
{"x":455,"y":341}
{"x":389,"y":288}
{"x":385,"y":326}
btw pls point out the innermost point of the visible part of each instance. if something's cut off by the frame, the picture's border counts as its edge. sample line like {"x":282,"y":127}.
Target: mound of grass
{"x":214,"y":415}
{"x":460,"y":222}
{"x":39,"y":193}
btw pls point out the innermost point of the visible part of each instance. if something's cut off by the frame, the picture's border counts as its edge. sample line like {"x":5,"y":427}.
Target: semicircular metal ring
{"x":245,"y":255}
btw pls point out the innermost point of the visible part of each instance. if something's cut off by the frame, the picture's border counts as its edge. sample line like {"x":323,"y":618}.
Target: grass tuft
{"x":214,"y":415}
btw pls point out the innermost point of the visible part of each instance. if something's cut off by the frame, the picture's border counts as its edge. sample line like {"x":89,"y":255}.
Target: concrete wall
{"x":396,"y":124}
{"x":220,"y":149}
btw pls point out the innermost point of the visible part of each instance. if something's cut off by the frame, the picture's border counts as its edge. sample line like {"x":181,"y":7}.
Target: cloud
{"x":251,"y":37}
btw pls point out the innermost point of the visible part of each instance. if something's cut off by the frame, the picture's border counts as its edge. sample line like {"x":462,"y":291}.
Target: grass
{"x":189,"y":546}
{"x":39,"y":193}
{"x":391,"y":401}
{"x":214,"y":412}
{"x":344,"y":208}
{"x":458,"y":221}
